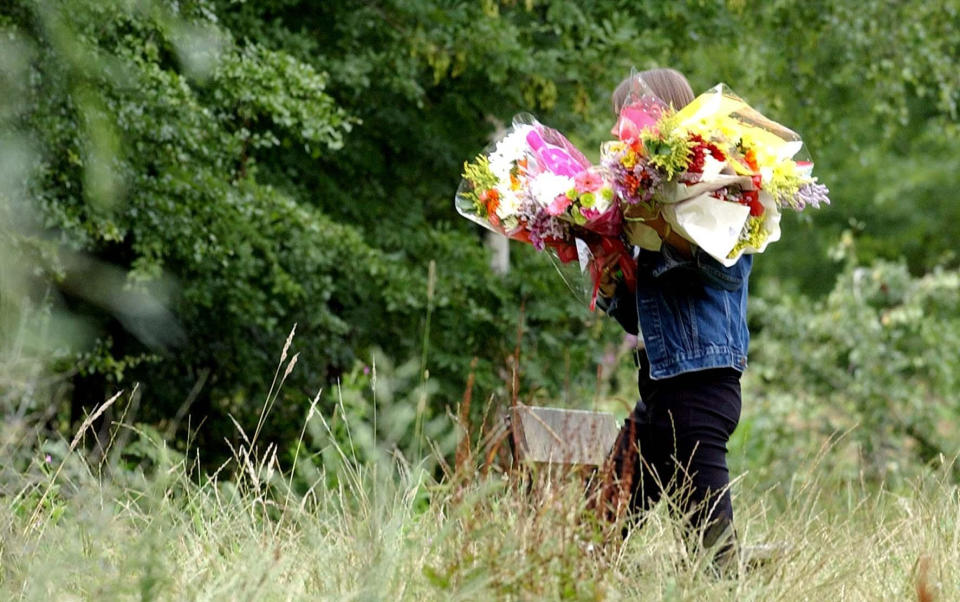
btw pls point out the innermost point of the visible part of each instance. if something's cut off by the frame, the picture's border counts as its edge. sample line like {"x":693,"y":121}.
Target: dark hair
{"x":669,"y":85}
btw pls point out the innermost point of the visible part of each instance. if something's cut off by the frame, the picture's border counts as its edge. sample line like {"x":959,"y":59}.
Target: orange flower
{"x":491,"y":199}
{"x":516,"y":172}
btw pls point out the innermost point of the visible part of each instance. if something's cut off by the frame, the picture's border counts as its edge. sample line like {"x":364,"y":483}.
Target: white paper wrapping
{"x":712,"y":224}
{"x":676,"y":193}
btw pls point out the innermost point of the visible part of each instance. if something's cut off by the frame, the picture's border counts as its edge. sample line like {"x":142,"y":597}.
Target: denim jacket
{"x":692,"y":313}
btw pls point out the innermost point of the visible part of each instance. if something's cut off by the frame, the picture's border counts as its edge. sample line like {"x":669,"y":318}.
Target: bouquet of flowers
{"x":533,"y":185}
{"x":717,"y":170}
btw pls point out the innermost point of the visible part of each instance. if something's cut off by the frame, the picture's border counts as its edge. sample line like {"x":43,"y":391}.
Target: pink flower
{"x":640,"y":114}
{"x":559,"y":205}
{"x":587,"y":181}
{"x":590,"y":213}
{"x":48,"y":459}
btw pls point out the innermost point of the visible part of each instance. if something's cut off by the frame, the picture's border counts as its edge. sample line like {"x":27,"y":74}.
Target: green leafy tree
{"x":208,"y":173}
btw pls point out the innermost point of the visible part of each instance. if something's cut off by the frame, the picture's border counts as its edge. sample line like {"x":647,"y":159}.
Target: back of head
{"x":669,"y":85}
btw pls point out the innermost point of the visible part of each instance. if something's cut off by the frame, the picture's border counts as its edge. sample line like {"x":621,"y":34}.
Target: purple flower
{"x":544,"y":226}
{"x":540,"y":224}
{"x":813,"y":194}
{"x":48,"y":459}
{"x":366,"y":370}
{"x":633,"y":185}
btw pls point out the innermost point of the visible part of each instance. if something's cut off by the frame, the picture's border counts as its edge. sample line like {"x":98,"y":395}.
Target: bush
{"x":193,"y":194}
{"x":874,"y":358}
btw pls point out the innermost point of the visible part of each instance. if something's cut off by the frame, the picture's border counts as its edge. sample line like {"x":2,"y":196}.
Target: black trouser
{"x":676,"y":440}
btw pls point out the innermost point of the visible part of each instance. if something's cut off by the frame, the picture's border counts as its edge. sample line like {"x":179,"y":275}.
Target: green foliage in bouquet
{"x":481,"y":178}
{"x":667,"y":149}
{"x":755,"y":234}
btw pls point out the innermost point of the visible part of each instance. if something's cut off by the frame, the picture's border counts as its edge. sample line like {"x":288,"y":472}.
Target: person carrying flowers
{"x":666,"y":227}
{"x":690,"y":312}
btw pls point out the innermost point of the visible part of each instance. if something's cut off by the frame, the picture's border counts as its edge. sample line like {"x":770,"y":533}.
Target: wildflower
{"x":812,"y":193}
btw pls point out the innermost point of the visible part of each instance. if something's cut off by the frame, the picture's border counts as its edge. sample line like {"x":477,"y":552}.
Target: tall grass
{"x":388,"y":531}
{"x":340,"y":522}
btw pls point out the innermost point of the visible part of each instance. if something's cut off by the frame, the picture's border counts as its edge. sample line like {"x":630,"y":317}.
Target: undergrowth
{"x":349,"y":518}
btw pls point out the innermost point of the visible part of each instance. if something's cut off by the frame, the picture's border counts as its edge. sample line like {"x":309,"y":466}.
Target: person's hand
{"x":641,"y":212}
{"x":609,"y":276}
{"x":649,"y":215}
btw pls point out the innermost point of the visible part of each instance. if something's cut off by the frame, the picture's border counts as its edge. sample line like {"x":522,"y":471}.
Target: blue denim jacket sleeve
{"x":710,"y":271}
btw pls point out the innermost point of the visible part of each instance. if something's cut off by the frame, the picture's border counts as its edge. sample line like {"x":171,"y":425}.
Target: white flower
{"x":509,"y":149}
{"x":509,"y":203}
{"x":547,"y":186}
{"x":500,"y":166}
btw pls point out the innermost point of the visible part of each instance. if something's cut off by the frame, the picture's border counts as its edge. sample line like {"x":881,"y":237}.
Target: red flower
{"x":698,"y":153}
{"x":696,"y":160}
{"x":751,"y":198}
{"x":716,"y":153}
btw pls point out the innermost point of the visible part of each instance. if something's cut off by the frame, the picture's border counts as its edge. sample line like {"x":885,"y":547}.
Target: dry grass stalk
{"x":515,"y":378}
{"x":463,"y":455}
{"x":924,"y":590}
{"x":86,"y":424}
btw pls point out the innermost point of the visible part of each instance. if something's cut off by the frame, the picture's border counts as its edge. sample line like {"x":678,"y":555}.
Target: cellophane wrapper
{"x":717,"y":170}
{"x":535,"y":186}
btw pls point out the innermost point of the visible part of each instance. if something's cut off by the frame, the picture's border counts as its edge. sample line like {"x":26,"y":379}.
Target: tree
{"x":249,"y":166}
